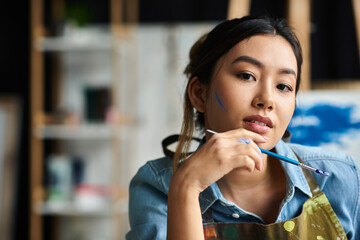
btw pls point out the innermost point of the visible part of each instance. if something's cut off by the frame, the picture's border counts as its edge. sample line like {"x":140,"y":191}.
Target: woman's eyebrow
{"x":249,"y":60}
{"x":256,"y":62}
{"x":288,"y":71}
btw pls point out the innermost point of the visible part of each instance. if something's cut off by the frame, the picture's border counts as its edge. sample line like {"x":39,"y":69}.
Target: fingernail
{"x":264,"y":137}
{"x":244,"y":140}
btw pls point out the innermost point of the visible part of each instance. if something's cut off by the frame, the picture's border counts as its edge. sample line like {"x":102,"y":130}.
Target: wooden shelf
{"x":60,"y":126}
{"x":344,"y":84}
{"x":74,"y":43}
{"x":79,"y":132}
{"x":104,"y":208}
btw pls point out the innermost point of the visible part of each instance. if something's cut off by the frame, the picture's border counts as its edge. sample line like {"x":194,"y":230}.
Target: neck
{"x":258,"y":192}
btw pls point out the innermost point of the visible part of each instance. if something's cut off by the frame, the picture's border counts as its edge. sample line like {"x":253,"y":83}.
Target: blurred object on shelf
{"x":78,"y":14}
{"x":90,"y":196}
{"x":77,"y":170}
{"x":59,"y":178}
{"x":97,"y":102}
{"x":114,"y":117}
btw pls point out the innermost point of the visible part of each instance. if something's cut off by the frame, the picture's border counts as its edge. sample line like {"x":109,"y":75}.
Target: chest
{"x":265,"y":204}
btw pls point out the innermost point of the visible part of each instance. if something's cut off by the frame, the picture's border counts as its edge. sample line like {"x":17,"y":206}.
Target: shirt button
{"x":235,"y":215}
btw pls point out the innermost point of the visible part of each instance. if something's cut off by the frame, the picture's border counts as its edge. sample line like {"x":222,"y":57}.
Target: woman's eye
{"x":284,"y":87}
{"x":246,"y":76}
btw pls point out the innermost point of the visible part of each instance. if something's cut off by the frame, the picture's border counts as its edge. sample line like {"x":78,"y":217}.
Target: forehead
{"x":271,"y":50}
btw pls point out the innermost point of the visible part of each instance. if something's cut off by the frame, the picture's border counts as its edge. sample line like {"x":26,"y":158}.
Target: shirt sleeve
{"x":343,"y":191}
{"x":351,"y":196}
{"x":147,"y":206}
{"x":357,"y":202}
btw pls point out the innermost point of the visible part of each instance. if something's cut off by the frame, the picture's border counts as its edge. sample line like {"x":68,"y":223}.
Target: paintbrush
{"x":286,"y":159}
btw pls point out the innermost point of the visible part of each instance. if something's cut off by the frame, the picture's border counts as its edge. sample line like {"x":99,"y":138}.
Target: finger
{"x":260,"y":166}
{"x":243,"y":133}
{"x":245,"y":162}
{"x":249,"y":162}
{"x":231,"y":146}
{"x":253,"y":144}
{"x":254,"y":153}
{"x":227,"y":142}
{"x":248,"y":153}
{"x":258,"y":138}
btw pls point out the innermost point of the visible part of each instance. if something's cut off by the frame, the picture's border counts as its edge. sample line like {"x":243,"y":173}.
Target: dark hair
{"x":212,"y":46}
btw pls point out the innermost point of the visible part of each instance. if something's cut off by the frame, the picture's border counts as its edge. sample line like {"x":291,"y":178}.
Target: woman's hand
{"x":221,"y":154}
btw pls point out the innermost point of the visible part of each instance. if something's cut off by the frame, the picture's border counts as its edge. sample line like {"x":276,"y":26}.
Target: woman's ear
{"x":197,"y":93}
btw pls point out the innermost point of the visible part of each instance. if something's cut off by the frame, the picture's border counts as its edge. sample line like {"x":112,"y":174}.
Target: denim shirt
{"x":149,"y":193}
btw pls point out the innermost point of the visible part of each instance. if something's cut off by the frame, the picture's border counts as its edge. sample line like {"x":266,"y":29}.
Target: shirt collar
{"x":295,"y":178}
{"x":208,"y":197}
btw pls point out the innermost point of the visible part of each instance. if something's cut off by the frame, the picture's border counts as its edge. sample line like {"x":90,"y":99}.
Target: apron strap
{"x":314,"y":187}
{"x":166,"y":142}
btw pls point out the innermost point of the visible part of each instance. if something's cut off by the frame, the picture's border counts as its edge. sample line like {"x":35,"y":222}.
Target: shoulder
{"x":148,"y":193}
{"x":311,"y":154}
{"x":340,"y":165}
{"x":156,"y":173}
{"x":343,"y":168}
{"x":342,"y":187}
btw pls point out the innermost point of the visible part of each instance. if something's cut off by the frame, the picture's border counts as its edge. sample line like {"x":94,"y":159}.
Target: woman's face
{"x":253,"y":87}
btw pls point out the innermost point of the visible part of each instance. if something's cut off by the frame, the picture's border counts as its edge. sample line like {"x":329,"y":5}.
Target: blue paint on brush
{"x":289,"y":160}
{"x":218,"y":98}
{"x":322,"y":172}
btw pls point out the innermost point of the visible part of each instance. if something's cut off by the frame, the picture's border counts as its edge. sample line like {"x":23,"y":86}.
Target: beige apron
{"x":317,"y":221}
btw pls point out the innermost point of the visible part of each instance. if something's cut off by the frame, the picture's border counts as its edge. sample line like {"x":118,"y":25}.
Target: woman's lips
{"x":258,"y":124}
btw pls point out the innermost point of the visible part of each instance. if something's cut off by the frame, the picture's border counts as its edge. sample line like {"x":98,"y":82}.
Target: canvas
{"x":328,"y":118}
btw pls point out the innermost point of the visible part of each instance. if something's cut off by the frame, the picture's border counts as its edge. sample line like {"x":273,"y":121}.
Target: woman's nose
{"x":264,"y":99}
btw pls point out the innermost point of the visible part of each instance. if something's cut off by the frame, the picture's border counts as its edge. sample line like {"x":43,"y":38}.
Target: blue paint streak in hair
{"x":220,"y":102}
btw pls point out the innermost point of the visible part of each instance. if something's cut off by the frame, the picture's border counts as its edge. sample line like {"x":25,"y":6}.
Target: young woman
{"x":243,"y":78}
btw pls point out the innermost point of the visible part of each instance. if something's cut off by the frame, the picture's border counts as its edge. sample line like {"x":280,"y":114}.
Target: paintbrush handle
{"x":289,"y":160}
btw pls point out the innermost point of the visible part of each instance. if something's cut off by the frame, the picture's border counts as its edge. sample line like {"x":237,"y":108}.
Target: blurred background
{"x":91,"y":87}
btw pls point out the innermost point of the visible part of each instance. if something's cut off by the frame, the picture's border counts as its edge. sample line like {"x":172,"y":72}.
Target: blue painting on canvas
{"x":323,"y":123}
